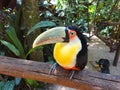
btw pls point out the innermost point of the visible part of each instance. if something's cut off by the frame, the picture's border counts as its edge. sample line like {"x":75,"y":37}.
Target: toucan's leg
{"x":53,"y":67}
{"x":72,"y":74}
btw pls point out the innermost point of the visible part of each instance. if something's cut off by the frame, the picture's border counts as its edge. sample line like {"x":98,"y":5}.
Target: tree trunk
{"x":30,"y":11}
{"x":117,"y":54}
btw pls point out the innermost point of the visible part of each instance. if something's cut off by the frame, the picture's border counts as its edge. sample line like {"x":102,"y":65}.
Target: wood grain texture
{"x":83,"y":80}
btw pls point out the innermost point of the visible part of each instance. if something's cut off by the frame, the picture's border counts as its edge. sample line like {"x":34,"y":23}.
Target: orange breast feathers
{"x":72,"y":68}
{"x":65,"y":53}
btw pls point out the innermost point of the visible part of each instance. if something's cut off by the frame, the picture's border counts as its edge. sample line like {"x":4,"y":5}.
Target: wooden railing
{"x":83,"y":80}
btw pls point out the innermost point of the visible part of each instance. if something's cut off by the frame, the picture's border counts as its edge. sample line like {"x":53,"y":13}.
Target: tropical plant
{"x":13,"y":46}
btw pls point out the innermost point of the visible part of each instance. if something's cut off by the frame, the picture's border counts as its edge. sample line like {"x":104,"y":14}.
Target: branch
{"x":117,"y":54}
{"x":83,"y":80}
{"x":97,"y":3}
{"x":111,"y":23}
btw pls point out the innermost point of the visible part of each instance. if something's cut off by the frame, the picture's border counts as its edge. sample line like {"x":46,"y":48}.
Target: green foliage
{"x":32,"y":83}
{"x":10,"y":31}
{"x":2,"y":53}
{"x":17,"y":81}
{"x":92,"y":8}
{"x":50,"y":60}
{"x":11,"y":47}
{"x":8,"y":35}
{"x":9,"y":38}
{"x":41,"y":25}
{"x":7,"y":85}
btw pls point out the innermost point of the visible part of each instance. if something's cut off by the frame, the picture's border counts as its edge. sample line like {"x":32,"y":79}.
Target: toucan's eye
{"x":72,"y":33}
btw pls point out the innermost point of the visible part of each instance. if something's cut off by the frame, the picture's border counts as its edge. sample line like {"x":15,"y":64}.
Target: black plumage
{"x":82,"y":56}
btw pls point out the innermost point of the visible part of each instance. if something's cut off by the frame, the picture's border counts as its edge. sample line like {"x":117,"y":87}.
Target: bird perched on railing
{"x":104,"y":65}
{"x":70,"y":51}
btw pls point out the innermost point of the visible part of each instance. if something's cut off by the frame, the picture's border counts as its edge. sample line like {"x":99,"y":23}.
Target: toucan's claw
{"x":52,"y":69}
{"x":72,"y":74}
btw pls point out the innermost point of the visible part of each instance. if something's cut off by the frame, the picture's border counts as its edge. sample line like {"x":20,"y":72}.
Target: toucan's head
{"x":58,"y":34}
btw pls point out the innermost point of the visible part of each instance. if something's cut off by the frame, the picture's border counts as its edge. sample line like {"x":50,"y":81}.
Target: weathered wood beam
{"x":83,"y":80}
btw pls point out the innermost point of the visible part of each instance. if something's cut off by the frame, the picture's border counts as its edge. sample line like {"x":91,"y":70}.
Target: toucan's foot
{"x":72,"y":74}
{"x":52,"y":69}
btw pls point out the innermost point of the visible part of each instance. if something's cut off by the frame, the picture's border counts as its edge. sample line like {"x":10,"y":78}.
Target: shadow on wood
{"x":83,"y":80}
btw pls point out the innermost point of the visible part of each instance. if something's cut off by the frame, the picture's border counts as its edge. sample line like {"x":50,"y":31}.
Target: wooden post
{"x":83,"y":80}
{"x":117,"y":54}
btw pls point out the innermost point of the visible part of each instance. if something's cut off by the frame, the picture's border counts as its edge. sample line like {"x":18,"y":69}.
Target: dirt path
{"x":97,"y":50}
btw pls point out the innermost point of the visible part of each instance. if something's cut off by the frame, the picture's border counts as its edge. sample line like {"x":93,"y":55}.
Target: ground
{"x":96,"y":50}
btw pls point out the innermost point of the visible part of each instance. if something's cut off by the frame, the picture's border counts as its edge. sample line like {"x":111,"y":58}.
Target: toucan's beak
{"x":54,"y":35}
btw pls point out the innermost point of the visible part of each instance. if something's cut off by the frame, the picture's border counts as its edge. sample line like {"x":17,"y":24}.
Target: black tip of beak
{"x":66,"y":39}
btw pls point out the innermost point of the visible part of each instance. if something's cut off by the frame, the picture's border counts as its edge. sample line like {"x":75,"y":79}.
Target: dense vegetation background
{"x":22,"y":20}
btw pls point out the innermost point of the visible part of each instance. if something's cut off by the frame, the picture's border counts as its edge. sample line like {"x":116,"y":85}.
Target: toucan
{"x":70,"y":51}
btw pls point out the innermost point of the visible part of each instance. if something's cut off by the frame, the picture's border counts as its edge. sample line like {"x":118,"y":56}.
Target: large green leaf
{"x":7,"y":85}
{"x":41,"y":24}
{"x":11,"y":47}
{"x":12,"y":35}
